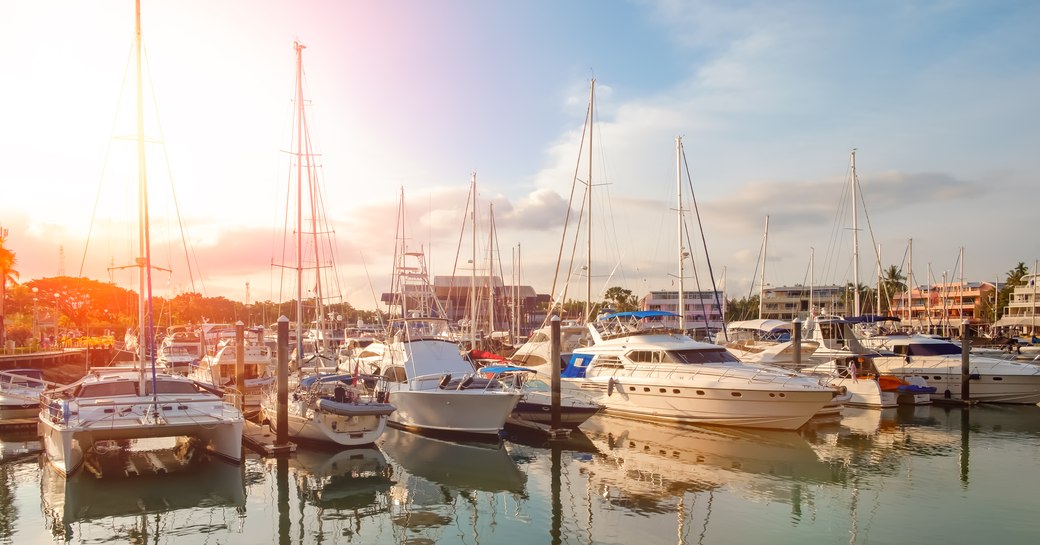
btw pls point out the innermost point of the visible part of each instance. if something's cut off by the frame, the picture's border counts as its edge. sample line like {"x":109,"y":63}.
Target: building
{"x":495,"y":302}
{"x":704,"y":309}
{"x":941,"y":307}
{"x":789,"y":302}
{"x":1022,"y":313}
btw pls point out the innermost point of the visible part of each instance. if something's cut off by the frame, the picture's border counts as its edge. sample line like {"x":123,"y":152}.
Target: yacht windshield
{"x":933,"y":349}
{"x":426,"y":329}
{"x":701,"y":355}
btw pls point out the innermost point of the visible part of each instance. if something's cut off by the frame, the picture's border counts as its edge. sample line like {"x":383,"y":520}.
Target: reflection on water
{"x":142,"y":491}
{"x":443,"y":484}
{"x":356,"y":479}
{"x":874,"y":476}
{"x":642,"y":464}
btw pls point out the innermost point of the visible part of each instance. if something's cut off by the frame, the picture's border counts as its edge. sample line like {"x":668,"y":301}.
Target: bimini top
{"x":498,"y":369}
{"x":863,"y":319}
{"x":640,"y":314}
{"x":307,"y":382}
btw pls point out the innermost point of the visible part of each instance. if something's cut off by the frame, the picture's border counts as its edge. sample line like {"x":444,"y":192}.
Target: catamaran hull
{"x":647,"y":399}
{"x":479,"y":412}
{"x":66,"y":447}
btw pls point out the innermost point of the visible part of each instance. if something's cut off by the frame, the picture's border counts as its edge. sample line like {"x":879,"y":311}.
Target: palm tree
{"x":893,"y":282}
{"x":620,"y":298}
{"x":1015,"y":275}
{"x":1014,"y":278}
{"x":7,"y":273}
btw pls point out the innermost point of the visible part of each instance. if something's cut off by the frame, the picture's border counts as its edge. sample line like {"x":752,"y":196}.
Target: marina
{"x":876,"y":476}
{"x":393,"y":383}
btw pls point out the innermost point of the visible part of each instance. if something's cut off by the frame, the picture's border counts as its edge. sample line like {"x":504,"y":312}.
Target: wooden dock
{"x":261,"y":439}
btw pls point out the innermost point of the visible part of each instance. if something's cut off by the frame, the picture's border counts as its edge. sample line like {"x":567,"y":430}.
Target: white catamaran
{"x":136,"y":402}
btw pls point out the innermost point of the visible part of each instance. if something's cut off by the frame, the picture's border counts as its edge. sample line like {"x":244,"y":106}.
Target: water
{"x":921,"y":475}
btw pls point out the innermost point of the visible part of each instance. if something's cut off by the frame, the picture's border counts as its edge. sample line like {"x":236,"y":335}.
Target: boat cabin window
{"x":934,"y":349}
{"x":604,"y":360}
{"x":108,"y":389}
{"x":171,"y":387}
{"x":395,"y":374}
{"x":646,"y":356}
{"x":701,"y":355}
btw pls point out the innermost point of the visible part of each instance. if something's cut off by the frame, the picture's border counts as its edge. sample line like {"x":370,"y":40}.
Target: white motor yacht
{"x":641,"y":371}
{"x":20,"y":393}
{"x":218,"y":370}
{"x":991,"y":380}
{"x":434,"y":388}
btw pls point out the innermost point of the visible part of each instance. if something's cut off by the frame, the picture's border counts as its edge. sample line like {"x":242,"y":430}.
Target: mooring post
{"x":554,"y":356}
{"x":240,"y":363}
{"x":965,"y":362}
{"x":282,"y":424}
{"x":798,"y":343}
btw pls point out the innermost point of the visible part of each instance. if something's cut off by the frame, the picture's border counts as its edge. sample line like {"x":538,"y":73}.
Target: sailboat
{"x":325,"y":406}
{"x":841,"y":361}
{"x":125,"y":404}
{"x":535,"y":352}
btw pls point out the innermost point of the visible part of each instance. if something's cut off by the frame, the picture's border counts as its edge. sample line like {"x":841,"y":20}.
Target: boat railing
{"x":13,"y":383}
{"x":750,"y":374}
{"x":102,"y":412}
{"x":455,"y":381}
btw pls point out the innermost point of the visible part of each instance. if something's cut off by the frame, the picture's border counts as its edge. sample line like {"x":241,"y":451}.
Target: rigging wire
{"x":704,"y":242}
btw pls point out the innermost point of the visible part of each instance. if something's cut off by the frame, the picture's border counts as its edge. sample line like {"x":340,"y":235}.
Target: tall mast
{"x":473,"y":267}
{"x":762,"y":276}
{"x":299,"y":200}
{"x":681,"y":307}
{"x":144,"y":262}
{"x":928,"y":300}
{"x":812,"y":277}
{"x":588,"y":201}
{"x":491,"y":269}
{"x":910,"y":283}
{"x":878,"y":311}
{"x":592,"y":112}
{"x":855,"y":238}
{"x":964,"y":286}
{"x":519,"y":279}
{"x":1032,"y":305}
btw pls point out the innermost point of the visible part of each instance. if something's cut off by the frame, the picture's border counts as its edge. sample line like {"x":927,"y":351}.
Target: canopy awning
{"x":1025,"y":321}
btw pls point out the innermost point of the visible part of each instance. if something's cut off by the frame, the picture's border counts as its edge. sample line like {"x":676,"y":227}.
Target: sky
{"x":415,"y":98}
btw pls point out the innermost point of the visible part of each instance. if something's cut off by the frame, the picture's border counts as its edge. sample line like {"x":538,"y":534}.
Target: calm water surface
{"x":920,"y":475}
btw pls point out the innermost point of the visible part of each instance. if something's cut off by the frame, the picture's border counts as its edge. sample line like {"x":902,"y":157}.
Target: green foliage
{"x":745,"y":308}
{"x":620,"y":299}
